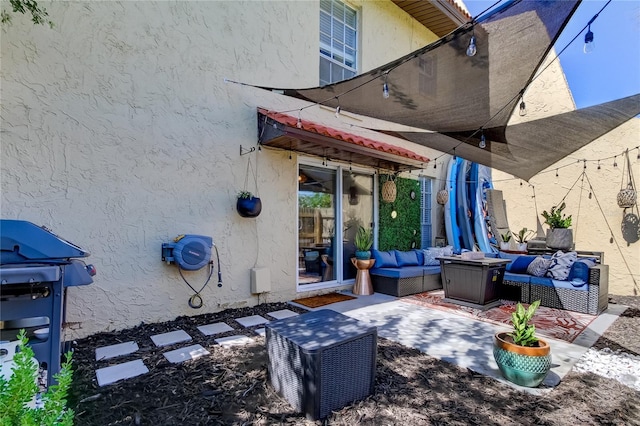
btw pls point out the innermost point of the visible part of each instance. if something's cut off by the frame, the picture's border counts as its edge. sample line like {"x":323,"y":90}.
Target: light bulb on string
{"x":435,"y":165}
{"x":598,"y":164}
{"x":523,"y":108}
{"x":338,"y":111}
{"x":590,"y":195}
{"x":556,"y":172}
{"x":638,"y":157}
{"x":385,"y":87}
{"x":472,"y":49}
{"x":483,"y":141}
{"x":611,"y":239}
{"x":615,"y":162}
{"x":299,"y":123}
{"x":589,"y":44}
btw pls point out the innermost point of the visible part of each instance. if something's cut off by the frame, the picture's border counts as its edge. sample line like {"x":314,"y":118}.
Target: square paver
{"x":170,"y":338}
{"x":216,"y":328}
{"x":106,"y":352}
{"x":282,"y":313}
{"x":252,"y":320}
{"x":185,"y":354}
{"x":260,"y":331}
{"x":236,"y":340}
{"x":126,"y":370}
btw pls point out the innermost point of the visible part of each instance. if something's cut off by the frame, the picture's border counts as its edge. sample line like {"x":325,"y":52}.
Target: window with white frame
{"x":338,"y":41}
{"x":425,"y":211}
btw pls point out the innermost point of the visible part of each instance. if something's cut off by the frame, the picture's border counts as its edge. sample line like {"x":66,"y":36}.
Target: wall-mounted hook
{"x":244,"y":151}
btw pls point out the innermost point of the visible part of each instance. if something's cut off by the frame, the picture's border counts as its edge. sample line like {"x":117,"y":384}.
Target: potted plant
{"x":522,"y":358}
{"x":248,"y":205}
{"x":506,"y":241}
{"x":363,"y":242}
{"x":522,"y":237}
{"x":559,"y":236}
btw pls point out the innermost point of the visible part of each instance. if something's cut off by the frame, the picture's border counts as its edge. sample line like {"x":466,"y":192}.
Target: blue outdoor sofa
{"x":401,"y":273}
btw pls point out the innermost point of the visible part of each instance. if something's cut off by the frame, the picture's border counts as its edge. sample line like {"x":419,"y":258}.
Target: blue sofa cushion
{"x":384,"y":259}
{"x":580,"y":271}
{"x":406,"y":258}
{"x":431,"y":270}
{"x":549,"y":282}
{"x":405,"y":272}
{"x":520,"y":264}
{"x":521,"y":278}
{"x":420,"y":256}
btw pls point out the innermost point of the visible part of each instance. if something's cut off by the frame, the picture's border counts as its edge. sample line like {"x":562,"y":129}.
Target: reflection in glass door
{"x":328,"y":223}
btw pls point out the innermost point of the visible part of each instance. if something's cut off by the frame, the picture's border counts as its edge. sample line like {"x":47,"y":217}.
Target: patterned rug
{"x":551,"y":322}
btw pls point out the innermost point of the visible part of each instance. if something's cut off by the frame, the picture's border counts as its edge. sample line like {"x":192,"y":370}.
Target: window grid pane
{"x":338,"y":41}
{"x":426,"y":185}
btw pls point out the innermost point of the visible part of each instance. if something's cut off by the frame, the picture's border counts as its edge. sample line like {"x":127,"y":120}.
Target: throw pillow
{"x":384,"y":259}
{"x":560,"y":265}
{"x":406,"y":258}
{"x":538,"y":267}
{"x":580,"y":270}
{"x":431,"y":253}
{"x":520,"y":264}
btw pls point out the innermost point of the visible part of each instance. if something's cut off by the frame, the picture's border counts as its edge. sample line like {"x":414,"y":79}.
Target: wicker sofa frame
{"x":593,"y":301}
{"x":400,"y":287}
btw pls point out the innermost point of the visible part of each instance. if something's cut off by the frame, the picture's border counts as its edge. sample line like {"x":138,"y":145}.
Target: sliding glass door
{"x":332,"y":203}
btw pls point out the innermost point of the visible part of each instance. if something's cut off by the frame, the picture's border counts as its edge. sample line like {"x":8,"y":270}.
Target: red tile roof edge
{"x":320,"y":129}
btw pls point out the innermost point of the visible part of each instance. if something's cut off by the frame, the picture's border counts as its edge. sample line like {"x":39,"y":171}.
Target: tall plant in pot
{"x":559,"y":236}
{"x":522,"y":358}
{"x":363,"y":242}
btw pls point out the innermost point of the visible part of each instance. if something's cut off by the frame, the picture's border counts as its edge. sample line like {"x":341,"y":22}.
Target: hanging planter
{"x":442,"y":197}
{"x":628,"y":196}
{"x":248,"y":205}
{"x":389,"y":190}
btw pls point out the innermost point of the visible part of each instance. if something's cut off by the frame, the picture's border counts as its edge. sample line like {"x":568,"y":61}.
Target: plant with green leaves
{"x":21,"y":388}
{"x":524,"y":334}
{"x":523,"y":236}
{"x":555,"y":218}
{"x":364,"y":239}
{"x":245,"y":195}
{"x":38,"y":15}
{"x":506,"y":237}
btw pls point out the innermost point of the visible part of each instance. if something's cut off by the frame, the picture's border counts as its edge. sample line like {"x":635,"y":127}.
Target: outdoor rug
{"x":323,"y":299}
{"x":551,"y":322}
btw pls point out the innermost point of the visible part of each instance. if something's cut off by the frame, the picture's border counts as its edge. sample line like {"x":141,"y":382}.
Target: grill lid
{"x":22,"y":241}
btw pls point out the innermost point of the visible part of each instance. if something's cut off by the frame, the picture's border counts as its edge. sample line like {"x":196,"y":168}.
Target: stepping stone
{"x":252,"y":320}
{"x":237,"y":340}
{"x":216,"y":328}
{"x":282,"y":313}
{"x":260,"y":332}
{"x":185,"y":354}
{"x":170,"y":338}
{"x":126,"y":370}
{"x":106,"y":352}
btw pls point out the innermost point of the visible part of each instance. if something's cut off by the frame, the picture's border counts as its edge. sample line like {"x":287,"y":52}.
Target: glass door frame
{"x":338,"y":266}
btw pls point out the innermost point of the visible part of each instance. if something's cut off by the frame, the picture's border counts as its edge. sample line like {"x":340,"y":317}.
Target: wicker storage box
{"x":321,"y":361}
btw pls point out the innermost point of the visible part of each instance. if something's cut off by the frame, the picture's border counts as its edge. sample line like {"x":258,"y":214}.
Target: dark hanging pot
{"x":249,"y":207}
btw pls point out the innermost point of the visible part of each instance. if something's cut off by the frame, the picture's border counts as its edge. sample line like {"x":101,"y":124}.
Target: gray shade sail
{"x":458,"y":97}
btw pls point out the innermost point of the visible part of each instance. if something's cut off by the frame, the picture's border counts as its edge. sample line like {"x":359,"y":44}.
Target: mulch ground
{"x":230,"y":387}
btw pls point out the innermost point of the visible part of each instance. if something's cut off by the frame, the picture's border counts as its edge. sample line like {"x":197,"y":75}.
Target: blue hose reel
{"x":191,"y":253}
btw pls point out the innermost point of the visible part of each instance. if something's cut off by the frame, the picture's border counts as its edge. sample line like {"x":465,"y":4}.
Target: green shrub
{"x":21,"y":388}
{"x":524,"y":334}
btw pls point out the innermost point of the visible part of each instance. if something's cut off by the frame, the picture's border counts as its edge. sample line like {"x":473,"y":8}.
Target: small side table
{"x":363,"y":285}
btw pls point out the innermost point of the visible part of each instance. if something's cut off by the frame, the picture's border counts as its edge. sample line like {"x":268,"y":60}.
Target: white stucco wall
{"x":119,"y":133}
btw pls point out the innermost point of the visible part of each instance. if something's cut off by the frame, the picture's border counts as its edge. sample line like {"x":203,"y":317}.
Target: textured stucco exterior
{"x":119,"y":133}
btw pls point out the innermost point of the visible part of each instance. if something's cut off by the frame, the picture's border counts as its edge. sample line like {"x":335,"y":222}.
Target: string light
{"x":472,"y":49}
{"x":338,"y":111}
{"x":435,"y":165}
{"x":483,"y":141}
{"x":615,"y":163}
{"x":598,"y":164}
{"x":385,"y":87}
{"x":299,"y":123}
{"x":556,"y":172}
{"x":523,"y":108}
{"x":589,"y":44}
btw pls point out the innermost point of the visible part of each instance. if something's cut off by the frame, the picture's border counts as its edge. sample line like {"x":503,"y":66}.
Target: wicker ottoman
{"x":321,"y":361}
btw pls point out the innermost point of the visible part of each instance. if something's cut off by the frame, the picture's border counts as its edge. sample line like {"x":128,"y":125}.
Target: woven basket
{"x":389,"y":191}
{"x":442,"y":197}
{"x":627,"y":197}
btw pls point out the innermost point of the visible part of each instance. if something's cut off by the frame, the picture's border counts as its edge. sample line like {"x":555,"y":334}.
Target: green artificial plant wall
{"x":403,"y":232}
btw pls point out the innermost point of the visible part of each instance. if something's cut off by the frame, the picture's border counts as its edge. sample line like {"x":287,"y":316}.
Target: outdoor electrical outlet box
{"x":260,"y":280}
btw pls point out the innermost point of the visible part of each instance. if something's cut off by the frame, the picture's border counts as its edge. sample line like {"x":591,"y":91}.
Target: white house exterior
{"x":121,"y":131}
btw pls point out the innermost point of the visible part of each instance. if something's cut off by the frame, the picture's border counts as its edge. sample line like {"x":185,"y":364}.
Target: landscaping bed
{"x":230,"y":385}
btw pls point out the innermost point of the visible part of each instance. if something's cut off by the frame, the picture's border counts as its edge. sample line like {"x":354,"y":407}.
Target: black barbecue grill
{"x":36,"y":267}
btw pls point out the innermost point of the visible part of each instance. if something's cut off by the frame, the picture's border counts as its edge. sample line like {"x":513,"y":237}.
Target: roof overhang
{"x":439,"y":16}
{"x":286,"y":132}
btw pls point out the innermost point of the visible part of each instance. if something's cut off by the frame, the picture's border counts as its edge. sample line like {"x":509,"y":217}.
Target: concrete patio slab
{"x":215,"y":328}
{"x":170,"y":338}
{"x":126,"y":370}
{"x":282,"y":313}
{"x":112,"y":351}
{"x":260,"y":332}
{"x":185,"y":354}
{"x":237,"y":340}
{"x":252,"y":320}
{"x":464,"y":341}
